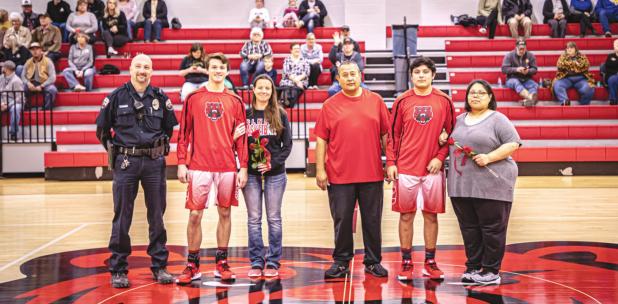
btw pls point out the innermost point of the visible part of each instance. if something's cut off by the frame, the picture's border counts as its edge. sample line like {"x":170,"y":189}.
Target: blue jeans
{"x":335,"y":88}
{"x":63,"y":30}
{"x":530,"y":85}
{"x":69,"y":75}
{"x":310,"y":20}
{"x":148,"y":29}
{"x":130,"y":27}
{"x":612,"y":86}
{"x":247,"y":67}
{"x":272,"y":191}
{"x":15,"y":117}
{"x":580,"y":83}
{"x":18,"y":70}
{"x":605,"y":17}
{"x":50,"y":92}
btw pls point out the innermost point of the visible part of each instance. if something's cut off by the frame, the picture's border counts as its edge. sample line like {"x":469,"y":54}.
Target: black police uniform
{"x":140,"y":123}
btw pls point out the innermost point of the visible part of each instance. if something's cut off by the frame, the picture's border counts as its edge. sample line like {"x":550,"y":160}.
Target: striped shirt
{"x":249,"y":48}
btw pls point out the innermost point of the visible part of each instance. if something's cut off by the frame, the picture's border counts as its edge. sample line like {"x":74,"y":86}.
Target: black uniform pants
{"x":342,"y":199}
{"x":483,"y":224}
{"x":151,"y":173}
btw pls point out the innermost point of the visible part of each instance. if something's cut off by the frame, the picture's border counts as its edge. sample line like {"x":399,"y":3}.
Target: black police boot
{"x":162,"y":276}
{"x":376,"y":270}
{"x":337,"y":270}
{"x":120,"y":280}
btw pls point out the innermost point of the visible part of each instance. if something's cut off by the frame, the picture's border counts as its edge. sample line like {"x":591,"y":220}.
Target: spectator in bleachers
{"x":610,"y":68}
{"x":155,"y":19}
{"x":252,"y":53}
{"x":81,"y":65}
{"x":114,"y":31}
{"x":82,"y":21}
{"x":193,"y":69}
{"x":4,"y":23}
{"x":518,"y":13}
{"x":343,"y":34}
{"x":39,"y":75}
{"x":519,"y":66}
{"x":97,"y":7}
{"x":49,"y":36}
{"x":30,"y":18}
{"x":337,"y":58}
{"x":489,"y":15}
{"x":555,"y":13}
{"x":313,"y":53}
{"x":269,"y":67}
{"x":11,"y":96}
{"x":22,"y":33}
{"x":129,"y":8}
{"x":606,"y":11}
{"x":259,"y":16}
{"x":312,"y":14}
{"x":295,"y":75}
{"x":580,"y":11}
{"x":12,"y":51}
{"x":573,"y":73}
{"x":290,"y":15}
{"x":59,"y":11}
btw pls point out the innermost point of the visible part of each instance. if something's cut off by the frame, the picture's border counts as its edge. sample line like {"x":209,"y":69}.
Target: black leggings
{"x":314,"y":74}
{"x":490,"y":22}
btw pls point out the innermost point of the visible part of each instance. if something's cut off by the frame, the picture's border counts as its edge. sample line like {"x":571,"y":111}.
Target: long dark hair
{"x":492,"y":101}
{"x":273,"y":111}
{"x":197,"y":47}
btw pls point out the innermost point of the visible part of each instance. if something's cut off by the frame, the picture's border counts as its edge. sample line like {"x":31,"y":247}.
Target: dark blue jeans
{"x":580,"y":83}
{"x":605,"y":17}
{"x":246,"y":68}
{"x":612,"y":86}
{"x":151,"y":173}
{"x":271,"y":188}
{"x":310,"y":19}
{"x":149,"y":27}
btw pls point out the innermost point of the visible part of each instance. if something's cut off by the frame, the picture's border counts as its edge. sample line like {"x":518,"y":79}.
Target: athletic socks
{"x":194,"y":257}
{"x":406,"y":253}
{"x":430,"y":253}
{"x":221,"y":254}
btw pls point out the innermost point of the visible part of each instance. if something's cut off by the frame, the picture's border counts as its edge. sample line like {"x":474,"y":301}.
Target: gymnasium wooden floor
{"x":563,"y":248}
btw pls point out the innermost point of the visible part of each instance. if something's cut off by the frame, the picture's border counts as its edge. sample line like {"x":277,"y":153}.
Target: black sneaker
{"x":120,"y":280}
{"x":336,"y":271}
{"x":376,"y":270}
{"x":608,"y":34}
{"x":162,"y":276}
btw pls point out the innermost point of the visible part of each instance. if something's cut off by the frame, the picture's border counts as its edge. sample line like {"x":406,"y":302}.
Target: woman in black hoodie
{"x":555,"y":13}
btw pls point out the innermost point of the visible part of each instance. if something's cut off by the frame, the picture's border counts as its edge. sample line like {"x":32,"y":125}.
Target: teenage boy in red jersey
{"x":209,"y":117}
{"x":351,"y":130}
{"x":414,"y":161}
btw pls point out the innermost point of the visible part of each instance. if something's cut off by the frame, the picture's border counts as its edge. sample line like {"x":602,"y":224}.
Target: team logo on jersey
{"x":423,"y":114}
{"x":214,"y":110}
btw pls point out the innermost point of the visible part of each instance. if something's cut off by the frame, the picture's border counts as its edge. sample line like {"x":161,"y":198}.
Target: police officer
{"x":143,"y":120}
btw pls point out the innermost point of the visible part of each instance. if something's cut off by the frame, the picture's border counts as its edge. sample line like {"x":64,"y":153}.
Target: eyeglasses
{"x":479,"y":93}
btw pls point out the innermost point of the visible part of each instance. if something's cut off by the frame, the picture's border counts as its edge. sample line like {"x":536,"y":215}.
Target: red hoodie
{"x":207,"y":125}
{"x":416,"y":124}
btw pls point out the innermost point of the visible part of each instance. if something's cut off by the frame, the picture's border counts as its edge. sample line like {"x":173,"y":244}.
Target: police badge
{"x":155,"y":104}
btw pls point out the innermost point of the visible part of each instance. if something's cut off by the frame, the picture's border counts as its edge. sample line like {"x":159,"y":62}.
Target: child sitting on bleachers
{"x":269,"y":68}
{"x":259,"y":16}
{"x":290,"y":15}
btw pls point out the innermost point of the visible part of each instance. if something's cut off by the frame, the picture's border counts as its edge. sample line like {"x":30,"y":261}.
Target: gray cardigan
{"x":80,"y":59}
{"x":11,"y":84}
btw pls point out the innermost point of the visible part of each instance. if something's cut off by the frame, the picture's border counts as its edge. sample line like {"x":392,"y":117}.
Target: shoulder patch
{"x":105,"y":103}
{"x":169,"y":105}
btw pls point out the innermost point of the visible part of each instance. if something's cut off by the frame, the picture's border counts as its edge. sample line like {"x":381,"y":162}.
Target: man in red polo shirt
{"x":414,"y":161}
{"x":351,"y":131}
{"x":209,"y":117}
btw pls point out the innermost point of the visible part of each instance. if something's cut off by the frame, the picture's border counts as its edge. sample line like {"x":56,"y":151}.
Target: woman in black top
{"x":155,"y":19}
{"x":114,"y":28}
{"x":193,"y":69}
{"x":59,"y":11}
{"x":19,"y":54}
{"x":269,"y":131}
{"x":312,"y":14}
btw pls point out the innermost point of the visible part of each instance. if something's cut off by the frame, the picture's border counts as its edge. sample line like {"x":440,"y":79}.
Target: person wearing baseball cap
{"x":39,"y":75}
{"x":11,"y":96}
{"x":345,"y":33}
{"x":49,"y":36}
{"x":519,"y":66}
{"x":31,"y":19}
{"x":338,"y":57}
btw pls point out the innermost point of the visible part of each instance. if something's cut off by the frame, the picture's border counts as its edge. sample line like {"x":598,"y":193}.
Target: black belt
{"x":134,"y":151}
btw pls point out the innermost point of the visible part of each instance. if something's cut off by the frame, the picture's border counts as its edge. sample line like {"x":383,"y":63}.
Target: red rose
{"x":451,"y":141}
{"x":252,"y":146}
{"x":255,"y":134}
{"x":467,"y":150}
{"x":264,"y":142}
